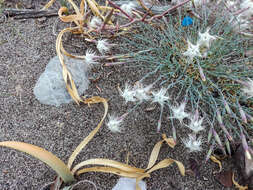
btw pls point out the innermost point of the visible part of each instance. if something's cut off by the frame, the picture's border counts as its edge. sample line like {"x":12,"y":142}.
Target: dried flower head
{"x":128,"y":8}
{"x":128,"y":94}
{"x":192,"y":51}
{"x":95,"y":22}
{"x":196,"y":123}
{"x":205,"y":38}
{"x":114,"y":123}
{"x":193,"y":143}
{"x":90,"y":57}
{"x":160,"y":96}
{"x":141,"y":92}
{"x":103,"y":46}
{"x":179,"y":113}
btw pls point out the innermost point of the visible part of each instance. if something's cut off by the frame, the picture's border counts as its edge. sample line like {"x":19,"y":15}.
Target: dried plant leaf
{"x":156,"y":150}
{"x":47,"y":157}
{"x":214,"y":159}
{"x":75,"y":7}
{"x":195,"y":167}
{"x":167,"y":162}
{"x":66,"y":75}
{"x":94,"y":8}
{"x":225,"y":178}
{"x":69,"y":18}
{"x":169,"y":141}
{"x":154,"y":154}
{"x":237,"y":184}
{"x":106,"y":162}
{"x":110,"y":170}
{"x":78,"y":149}
{"x":82,"y":6}
{"x":108,"y":17}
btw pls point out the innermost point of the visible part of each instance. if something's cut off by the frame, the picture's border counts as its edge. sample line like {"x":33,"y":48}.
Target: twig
{"x":26,"y":13}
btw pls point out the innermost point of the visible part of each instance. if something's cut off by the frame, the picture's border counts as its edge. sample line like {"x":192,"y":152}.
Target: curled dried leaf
{"x":240,"y":187}
{"x":214,"y":159}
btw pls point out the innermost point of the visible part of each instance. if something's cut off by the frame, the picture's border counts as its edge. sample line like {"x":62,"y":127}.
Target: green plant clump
{"x":204,"y":62}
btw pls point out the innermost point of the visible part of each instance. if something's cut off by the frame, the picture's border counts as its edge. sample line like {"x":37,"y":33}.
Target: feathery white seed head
{"x":192,"y":51}
{"x":193,"y":143}
{"x":160,"y":96}
{"x":128,"y":8}
{"x":128,"y":94}
{"x":114,"y":124}
{"x":196,"y":123}
{"x":206,"y":38}
{"x":142,"y":93}
{"x":103,"y":46}
{"x":179,"y":113}
{"x":95,"y":22}
{"x":90,"y":57}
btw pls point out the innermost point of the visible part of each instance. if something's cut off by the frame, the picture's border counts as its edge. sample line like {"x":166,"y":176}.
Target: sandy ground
{"x":26,"y":46}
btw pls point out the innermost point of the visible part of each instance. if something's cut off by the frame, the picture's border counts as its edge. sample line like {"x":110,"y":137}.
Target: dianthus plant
{"x":206,"y":63}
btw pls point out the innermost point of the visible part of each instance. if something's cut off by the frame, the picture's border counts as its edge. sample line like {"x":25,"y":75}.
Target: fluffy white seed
{"x":114,"y":124}
{"x":192,"y":143}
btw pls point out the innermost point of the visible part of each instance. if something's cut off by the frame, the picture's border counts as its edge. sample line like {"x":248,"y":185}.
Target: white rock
{"x":129,"y":184}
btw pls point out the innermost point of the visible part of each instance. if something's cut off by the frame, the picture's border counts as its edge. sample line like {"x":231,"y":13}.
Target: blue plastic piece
{"x":187,"y":21}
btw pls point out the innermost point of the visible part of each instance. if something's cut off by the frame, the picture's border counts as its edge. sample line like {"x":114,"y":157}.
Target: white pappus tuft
{"x":160,"y":96}
{"x":206,"y":38}
{"x":114,"y":124}
{"x":192,"y":51}
{"x":128,"y":94}
{"x":103,"y":46}
{"x":90,"y":57}
{"x":192,"y":143}
{"x":142,"y":93}
{"x":196,"y":123}
{"x":95,"y":22}
{"x":128,"y":8}
{"x":179,"y":113}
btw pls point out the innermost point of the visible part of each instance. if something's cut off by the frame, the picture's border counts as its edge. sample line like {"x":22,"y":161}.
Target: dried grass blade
{"x":167,"y":162}
{"x":66,"y":75}
{"x":111,"y":170}
{"x":214,"y":159}
{"x":47,"y":157}
{"x":69,"y":18}
{"x":70,"y":55}
{"x":72,"y":90}
{"x":169,"y":141}
{"x":154,"y":154}
{"x":107,"y":162}
{"x":82,"y":5}
{"x":94,"y":8}
{"x":240,"y":187}
{"x":75,"y":7}
{"x":78,"y":149}
{"x":108,"y":17}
